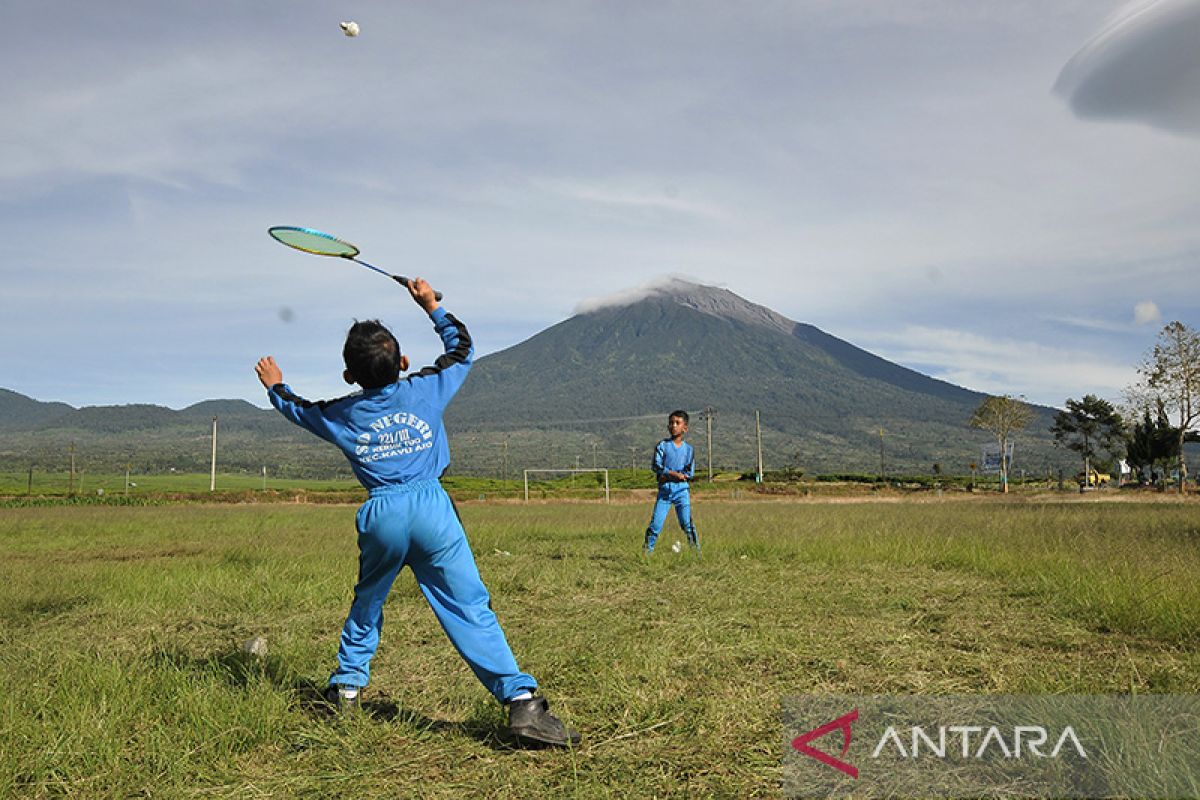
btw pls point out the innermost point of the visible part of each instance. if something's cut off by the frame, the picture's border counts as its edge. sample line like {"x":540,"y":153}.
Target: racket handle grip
{"x":403,"y":281}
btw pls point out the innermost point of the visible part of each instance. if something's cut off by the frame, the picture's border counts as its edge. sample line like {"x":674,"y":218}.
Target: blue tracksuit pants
{"x":672,"y":494}
{"x":416,"y":524}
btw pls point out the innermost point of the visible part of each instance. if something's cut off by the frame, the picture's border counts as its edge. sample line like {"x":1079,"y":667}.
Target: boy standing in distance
{"x":675,"y":466}
{"x":391,"y":432}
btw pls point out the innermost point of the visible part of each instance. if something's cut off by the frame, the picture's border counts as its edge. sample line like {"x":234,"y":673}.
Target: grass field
{"x":123,"y":674}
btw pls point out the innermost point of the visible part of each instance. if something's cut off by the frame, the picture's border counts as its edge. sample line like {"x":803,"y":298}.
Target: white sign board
{"x":989,"y":457}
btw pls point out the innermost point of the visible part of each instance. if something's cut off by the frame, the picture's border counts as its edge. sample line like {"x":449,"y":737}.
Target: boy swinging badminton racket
{"x":391,"y":432}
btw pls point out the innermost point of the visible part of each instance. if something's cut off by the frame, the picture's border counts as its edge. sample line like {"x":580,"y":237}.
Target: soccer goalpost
{"x":529,"y":472}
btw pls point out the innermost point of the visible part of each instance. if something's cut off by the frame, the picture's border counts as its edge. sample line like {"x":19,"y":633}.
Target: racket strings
{"x":312,"y":241}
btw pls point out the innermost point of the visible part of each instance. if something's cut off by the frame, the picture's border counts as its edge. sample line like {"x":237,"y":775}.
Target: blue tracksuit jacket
{"x":393,"y":434}
{"x":396,"y":444}
{"x":669,"y":458}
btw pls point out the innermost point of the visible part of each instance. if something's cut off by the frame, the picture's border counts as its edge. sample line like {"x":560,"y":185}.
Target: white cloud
{"x":1090,"y":324}
{"x":1144,"y":65}
{"x":1146,"y":313}
{"x":627,"y":297}
{"x":840,"y":161}
{"x":1043,"y":374}
{"x":640,"y":198}
{"x":148,"y":121}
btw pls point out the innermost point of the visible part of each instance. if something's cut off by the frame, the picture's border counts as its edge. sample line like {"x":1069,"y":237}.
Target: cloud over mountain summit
{"x":1143,"y":66}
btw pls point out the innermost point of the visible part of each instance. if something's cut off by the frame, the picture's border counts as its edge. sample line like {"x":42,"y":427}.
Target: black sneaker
{"x":531,"y":723}
{"x":344,"y":699}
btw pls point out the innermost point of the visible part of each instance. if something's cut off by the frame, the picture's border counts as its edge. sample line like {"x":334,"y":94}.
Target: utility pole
{"x":758,"y":436}
{"x":881,"y":470}
{"x":633,"y":457}
{"x":71,"y":483}
{"x":504,"y":461}
{"x":29,"y":489}
{"x":127,"y":480}
{"x":593,"y":455}
{"x":212,"y":481}
{"x":708,"y":415}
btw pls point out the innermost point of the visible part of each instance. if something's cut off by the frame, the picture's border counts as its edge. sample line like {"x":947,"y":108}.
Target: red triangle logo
{"x":842,"y":723}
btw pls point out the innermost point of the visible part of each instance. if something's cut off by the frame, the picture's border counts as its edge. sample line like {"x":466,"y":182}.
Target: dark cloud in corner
{"x":1144,"y":66}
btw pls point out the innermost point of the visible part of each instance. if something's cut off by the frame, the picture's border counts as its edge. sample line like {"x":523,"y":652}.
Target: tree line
{"x":1148,"y":431}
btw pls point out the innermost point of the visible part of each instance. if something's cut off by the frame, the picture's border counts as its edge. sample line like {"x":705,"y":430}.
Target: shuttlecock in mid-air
{"x":350,"y":28}
{"x":675,"y":548}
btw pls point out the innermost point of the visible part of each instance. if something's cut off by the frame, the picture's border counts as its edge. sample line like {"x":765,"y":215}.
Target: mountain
{"x":595,"y":389}
{"x":21,"y":413}
{"x":152,"y":438}
{"x":18,"y":412}
{"x":692,"y":346}
{"x":821,"y":400}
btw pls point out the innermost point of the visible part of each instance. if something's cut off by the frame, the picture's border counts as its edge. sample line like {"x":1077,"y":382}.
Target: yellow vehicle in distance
{"x":1095,"y":479}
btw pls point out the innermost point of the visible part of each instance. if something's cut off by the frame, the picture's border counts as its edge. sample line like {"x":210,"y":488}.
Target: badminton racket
{"x":326,"y":244}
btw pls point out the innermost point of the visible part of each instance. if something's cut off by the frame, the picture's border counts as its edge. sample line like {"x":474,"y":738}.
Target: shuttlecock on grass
{"x":350,"y":28}
{"x":675,"y":548}
{"x":256,"y":647}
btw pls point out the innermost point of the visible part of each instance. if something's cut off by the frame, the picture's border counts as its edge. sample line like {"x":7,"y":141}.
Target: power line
{"x":541,"y":423}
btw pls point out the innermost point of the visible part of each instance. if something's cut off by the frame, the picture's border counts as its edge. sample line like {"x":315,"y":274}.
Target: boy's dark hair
{"x":372,"y":354}
{"x":682,"y":415}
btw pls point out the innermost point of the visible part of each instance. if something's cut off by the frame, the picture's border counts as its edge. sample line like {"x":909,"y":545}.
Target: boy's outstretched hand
{"x":268,"y":371}
{"x":423,"y":294}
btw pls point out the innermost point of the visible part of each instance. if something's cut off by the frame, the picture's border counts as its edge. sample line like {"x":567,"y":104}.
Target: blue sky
{"x":1002,"y":195}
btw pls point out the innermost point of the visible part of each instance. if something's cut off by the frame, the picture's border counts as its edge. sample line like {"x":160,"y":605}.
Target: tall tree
{"x":1002,"y":416}
{"x":1088,"y":426}
{"x":1153,"y":442}
{"x":1170,"y":373}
